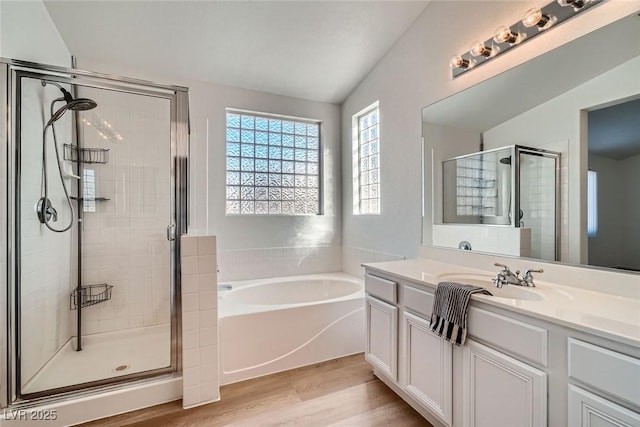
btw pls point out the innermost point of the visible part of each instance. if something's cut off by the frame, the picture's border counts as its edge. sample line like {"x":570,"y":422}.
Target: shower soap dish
{"x":90,"y":295}
{"x":86,"y":155}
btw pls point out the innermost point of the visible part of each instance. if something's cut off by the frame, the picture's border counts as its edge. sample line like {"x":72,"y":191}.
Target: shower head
{"x":506,"y":160}
{"x":78,"y":104}
{"x":81,"y":104}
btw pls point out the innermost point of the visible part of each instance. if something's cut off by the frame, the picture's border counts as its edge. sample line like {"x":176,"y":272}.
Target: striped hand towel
{"x":450,"y":305}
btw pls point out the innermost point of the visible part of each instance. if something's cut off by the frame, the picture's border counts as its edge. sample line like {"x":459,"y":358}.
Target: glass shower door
{"x":94,"y":302}
{"x":539,"y":198}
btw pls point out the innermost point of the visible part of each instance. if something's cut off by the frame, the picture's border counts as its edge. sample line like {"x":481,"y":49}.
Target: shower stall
{"x":95,"y":173}
{"x":513,"y":186}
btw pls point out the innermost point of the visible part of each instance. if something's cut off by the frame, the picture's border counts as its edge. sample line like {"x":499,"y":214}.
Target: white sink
{"x":513,"y":292}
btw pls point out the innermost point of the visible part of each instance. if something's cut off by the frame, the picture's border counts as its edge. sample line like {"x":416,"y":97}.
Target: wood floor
{"x":342,"y":392}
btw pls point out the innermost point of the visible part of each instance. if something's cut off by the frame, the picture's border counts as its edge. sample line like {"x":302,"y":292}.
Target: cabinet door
{"x":428,"y":367}
{"x":501,"y":391}
{"x":382,"y":336}
{"x":589,"y":410}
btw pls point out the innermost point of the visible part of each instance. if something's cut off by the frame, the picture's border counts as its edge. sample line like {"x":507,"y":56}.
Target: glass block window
{"x":273,"y":165}
{"x":89,"y":190}
{"x":366,"y":161}
{"x":476,"y":190}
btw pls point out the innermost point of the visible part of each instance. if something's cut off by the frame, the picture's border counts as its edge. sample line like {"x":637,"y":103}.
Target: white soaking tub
{"x":276,"y":324}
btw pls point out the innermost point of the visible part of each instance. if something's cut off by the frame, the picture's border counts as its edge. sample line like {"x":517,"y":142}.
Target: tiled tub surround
{"x":258,"y":263}
{"x":199,"y":321}
{"x":353,"y":258}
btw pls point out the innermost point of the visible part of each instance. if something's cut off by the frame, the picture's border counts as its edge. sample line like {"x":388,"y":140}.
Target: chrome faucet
{"x":508,"y":277}
{"x":225,"y":287}
{"x":527,"y":277}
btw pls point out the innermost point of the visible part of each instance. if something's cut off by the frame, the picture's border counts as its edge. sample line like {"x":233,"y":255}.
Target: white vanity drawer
{"x":418,"y":301}
{"x":519,"y":338}
{"x":607,"y":370}
{"x":381,"y":288}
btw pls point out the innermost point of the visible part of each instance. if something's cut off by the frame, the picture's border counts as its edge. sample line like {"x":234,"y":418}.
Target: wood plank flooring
{"x":342,"y":392}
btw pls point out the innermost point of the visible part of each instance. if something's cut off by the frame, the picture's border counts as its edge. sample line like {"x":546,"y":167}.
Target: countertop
{"x":603,"y":314}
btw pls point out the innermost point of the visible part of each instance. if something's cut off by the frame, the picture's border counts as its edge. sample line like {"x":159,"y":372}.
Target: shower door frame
{"x":12,"y":72}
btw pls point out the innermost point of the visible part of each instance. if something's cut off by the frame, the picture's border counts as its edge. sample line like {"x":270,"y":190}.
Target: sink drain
{"x":121,"y":368}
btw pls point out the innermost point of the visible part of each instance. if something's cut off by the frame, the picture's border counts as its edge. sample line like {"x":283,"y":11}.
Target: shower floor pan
{"x":105,"y":355}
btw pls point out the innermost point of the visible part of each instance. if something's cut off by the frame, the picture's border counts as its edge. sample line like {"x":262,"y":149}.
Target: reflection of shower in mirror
{"x":489,"y":187}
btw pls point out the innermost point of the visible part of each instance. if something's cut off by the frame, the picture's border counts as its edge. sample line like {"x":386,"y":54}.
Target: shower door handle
{"x":171,"y":232}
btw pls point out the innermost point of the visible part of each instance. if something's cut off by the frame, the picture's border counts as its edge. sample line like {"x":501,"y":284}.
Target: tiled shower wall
{"x":124,"y":242}
{"x":246,"y":264}
{"x":46,"y":268}
{"x":538,"y":202}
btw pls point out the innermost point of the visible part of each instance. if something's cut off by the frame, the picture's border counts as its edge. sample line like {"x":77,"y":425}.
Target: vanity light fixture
{"x":534,"y":21}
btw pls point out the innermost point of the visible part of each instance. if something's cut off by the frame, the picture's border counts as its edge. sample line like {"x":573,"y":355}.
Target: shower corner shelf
{"x":90,"y":295}
{"x":90,"y":199}
{"x":86,"y":155}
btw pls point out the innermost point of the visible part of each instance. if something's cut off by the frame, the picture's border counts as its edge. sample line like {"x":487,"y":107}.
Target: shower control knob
{"x":46,"y":212}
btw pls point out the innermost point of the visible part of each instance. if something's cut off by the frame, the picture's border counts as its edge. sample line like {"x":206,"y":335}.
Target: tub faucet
{"x":225,"y":287}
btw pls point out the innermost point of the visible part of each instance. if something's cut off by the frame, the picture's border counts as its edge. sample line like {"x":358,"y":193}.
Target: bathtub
{"x":272,"y":325}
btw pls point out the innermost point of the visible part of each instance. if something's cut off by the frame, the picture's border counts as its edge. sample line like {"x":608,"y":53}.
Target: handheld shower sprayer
{"x":45,"y":209}
{"x":77,"y":104}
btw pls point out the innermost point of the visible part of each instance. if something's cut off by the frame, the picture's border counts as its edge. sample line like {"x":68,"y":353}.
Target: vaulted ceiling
{"x":317,"y":50}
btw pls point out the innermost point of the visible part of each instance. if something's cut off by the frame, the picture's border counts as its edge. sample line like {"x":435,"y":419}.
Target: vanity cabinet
{"x":513,"y":370}
{"x":418,"y":361}
{"x":611,"y":380}
{"x":382,"y":336}
{"x":499,"y":390}
{"x":428,"y":370}
{"x":381,"y":346}
{"x":588,"y":410}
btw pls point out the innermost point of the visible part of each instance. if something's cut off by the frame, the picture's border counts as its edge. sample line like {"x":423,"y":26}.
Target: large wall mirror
{"x":542,"y":161}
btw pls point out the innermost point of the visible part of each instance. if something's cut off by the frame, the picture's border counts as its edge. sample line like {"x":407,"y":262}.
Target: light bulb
{"x":479,"y":49}
{"x":576,"y":4}
{"x":533,"y":17}
{"x":457,"y":61}
{"x":504,"y":34}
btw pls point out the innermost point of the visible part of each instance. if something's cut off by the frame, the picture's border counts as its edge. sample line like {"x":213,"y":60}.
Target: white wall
{"x":562,"y":119}
{"x":252,"y":246}
{"x":414,"y":73}
{"x":28,"y":33}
